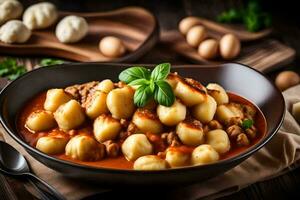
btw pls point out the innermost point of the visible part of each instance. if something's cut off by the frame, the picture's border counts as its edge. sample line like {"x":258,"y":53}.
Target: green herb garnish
{"x":10,"y":69}
{"x":149,"y":84}
{"x":252,"y":16}
{"x":247,"y":123}
{"x":50,"y":61}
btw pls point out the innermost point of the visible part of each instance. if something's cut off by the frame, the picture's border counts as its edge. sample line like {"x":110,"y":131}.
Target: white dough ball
{"x":111,"y":46}
{"x":11,"y":9}
{"x":206,"y":110}
{"x":204,"y":154}
{"x":219,"y":140}
{"x":106,"y":128}
{"x":147,"y":121}
{"x":55,"y":98}
{"x":14,"y":31}
{"x":40,"y":15}
{"x":190,"y":134}
{"x":150,"y":162}
{"x":177,"y":158}
{"x":69,"y":115}
{"x":52,"y":145}
{"x":172,"y":115}
{"x":135,"y":146}
{"x":40,"y":120}
{"x":218,"y":93}
{"x":71,"y":29}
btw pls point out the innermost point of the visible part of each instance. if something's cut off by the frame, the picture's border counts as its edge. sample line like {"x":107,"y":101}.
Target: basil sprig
{"x":247,"y":123}
{"x":149,"y":84}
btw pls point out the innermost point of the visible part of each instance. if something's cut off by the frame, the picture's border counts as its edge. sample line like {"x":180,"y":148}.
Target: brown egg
{"x":208,"y":49}
{"x":111,"y":47}
{"x":230,"y":46}
{"x":296,"y":111}
{"x":187,"y":23}
{"x":287,"y":79}
{"x":195,"y":35}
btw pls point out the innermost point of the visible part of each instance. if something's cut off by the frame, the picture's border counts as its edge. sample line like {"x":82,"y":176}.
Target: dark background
{"x":286,"y":24}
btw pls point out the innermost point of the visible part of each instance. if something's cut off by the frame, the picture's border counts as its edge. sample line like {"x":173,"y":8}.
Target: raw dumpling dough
{"x":71,"y":29}
{"x":14,"y":31}
{"x":40,"y":15}
{"x":11,"y":9}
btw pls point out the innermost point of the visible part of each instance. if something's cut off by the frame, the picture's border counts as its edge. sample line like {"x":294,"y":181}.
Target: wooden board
{"x":136,"y":27}
{"x":264,"y":55}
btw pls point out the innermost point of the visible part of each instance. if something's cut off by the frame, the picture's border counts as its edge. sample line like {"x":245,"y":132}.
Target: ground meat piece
{"x":235,"y":121}
{"x":242,"y":140}
{"x":249,"y":111}
{"x":171,"y":139}
{"x":251,"y":132}
{"x":125,"y":123}
{"x":233,"y":131}
{"x":112,"y":148}
{"x":82,"y":91}
{"x":161,"y":154}
{"x":214,"y":124}
{"x":206,"y":129}
{"x":132,"y":128}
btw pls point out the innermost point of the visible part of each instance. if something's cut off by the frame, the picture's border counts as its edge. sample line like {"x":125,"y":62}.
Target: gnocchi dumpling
{"x":14,"y":31}
{"x":150,"y":162}
{"x":190,"y":133}
{"x":40,"y":15}
{"x":69,"y":115}
{"x":40,"y":120}
{"x":55,"y":98}
{"x":11,"y":9}
{"x":218,"y":93}
{"x":147,"y":121}
{"x":120,"y":102}
{"x":190,"y":92}
{"x":135,"y":146}
{"x":52,"y":145}
{"x":106,"y":128}
{"x":177,"y":158}
{"x":105,"y":86}
{"x":71,"y":29}
{"x":204,"y":154}
{"x":96,"y":104}
{"x":219,"y":140}
{"x":172,"y":115}
{"x":173,"y":79}
{"x":205,"y":111}
{"x":224,"y":114}
{"x":85,"y":148}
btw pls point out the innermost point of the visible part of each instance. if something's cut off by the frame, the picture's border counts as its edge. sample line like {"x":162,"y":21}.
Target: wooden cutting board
{"x":264,"y":55}
{"x":135,"y":26}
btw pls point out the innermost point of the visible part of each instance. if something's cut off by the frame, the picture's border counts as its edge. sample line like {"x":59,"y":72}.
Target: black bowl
{"x":237,"y":78}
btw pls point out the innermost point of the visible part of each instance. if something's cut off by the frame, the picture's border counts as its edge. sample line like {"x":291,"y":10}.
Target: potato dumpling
{"x":177,"y":158}
{"x":190,"y":92}
{"x":106,"y":128}
{"x":40,"y":120}
{"x":69,"y":115}
{"x":219,"y":140}
{"x":105,"y":86}
{"x":173,"y":79}
{"x":218,"y":93}
{"x":120,"y":102}
{"x":147,"y":121}
{"x":11,"y":9}
{"x":85,"y":148}
{"x":206,"y":110}
{"x":135,"y":146}
{"x":71,"y":29}
{"x":150,"y":162}
{"x":52,"y":145}
{"x":172,"y":115}
{"x":40,"y":15}
{"x":190,"y":133}
{"x":55,"y":98}
{"x":14,"y":31}
{"x":96,"y":104}
{"x":224,"y":114}
{"x":204,"y":154}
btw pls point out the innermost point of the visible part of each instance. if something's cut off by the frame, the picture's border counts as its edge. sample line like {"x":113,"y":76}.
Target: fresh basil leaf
{"x":142,"y":96}
{"x":247,"y":123}
{"x":164,"y":94}
{"x":139,"y":82}
{"x":10,"y":69}
{"x":50,"y":61}
{"x":134,"y":73}
{"x":152,"y":85}
{"x":161,"y":71}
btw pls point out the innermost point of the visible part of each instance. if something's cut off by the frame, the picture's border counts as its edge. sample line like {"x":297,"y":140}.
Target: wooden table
{"x":286,"y":29}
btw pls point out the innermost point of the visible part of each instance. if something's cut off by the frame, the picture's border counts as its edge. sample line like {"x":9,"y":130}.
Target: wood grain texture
{"x":136,"y":27}
{"x":264,"y":55}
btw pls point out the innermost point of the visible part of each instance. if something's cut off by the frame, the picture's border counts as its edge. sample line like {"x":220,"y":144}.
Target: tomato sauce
{"x":120,"y":162}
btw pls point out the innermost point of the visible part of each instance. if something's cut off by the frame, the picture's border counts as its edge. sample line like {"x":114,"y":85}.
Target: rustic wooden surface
{"x":286,"y":30}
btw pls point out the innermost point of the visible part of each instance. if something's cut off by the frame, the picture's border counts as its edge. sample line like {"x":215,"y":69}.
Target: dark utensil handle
{"x":43,"y":195}
{"x":46,"y":188}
